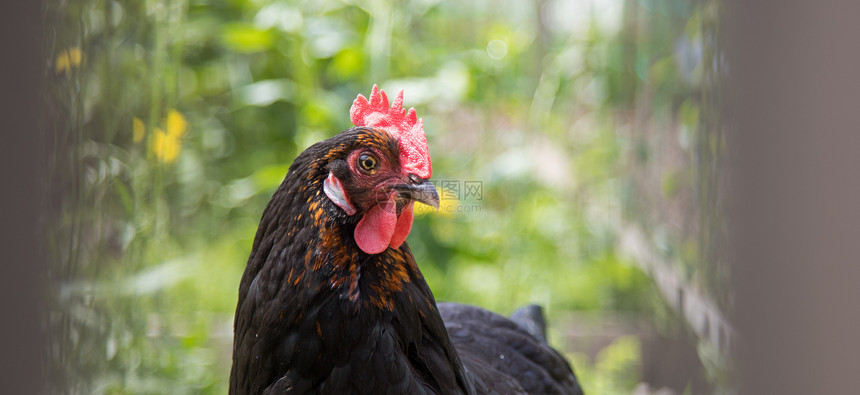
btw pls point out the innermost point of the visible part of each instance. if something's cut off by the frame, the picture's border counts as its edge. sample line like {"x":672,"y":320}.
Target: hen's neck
{"x":313,"y":240}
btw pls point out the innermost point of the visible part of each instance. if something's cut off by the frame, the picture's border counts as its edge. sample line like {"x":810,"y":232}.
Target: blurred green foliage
{"x":556,"y":108}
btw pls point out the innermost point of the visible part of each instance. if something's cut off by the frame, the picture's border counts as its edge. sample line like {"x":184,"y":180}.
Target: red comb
{"x":405,"y":125}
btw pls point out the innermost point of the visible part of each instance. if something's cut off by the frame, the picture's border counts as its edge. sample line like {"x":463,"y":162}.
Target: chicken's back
{"x":500,"y":354}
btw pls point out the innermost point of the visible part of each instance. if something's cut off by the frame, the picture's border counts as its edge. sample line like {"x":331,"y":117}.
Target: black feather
{"x":532,"y":320}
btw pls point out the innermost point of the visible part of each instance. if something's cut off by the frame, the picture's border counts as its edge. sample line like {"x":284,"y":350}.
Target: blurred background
{"x":577,"y":146}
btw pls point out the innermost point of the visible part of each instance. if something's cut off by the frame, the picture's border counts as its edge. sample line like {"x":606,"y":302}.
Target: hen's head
{"x":378,"y":170}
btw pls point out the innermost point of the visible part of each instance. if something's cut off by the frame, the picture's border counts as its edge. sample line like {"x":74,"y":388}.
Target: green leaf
{"x":245,"y":38}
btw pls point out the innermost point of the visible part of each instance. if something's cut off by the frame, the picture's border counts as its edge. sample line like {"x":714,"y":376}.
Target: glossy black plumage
{"x":318,"y":315}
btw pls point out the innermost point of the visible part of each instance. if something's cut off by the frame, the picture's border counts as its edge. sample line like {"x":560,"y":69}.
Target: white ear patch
{"x":333,"y":188}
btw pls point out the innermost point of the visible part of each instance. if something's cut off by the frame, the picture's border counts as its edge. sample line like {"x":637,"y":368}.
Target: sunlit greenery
{"x":174,"y":121}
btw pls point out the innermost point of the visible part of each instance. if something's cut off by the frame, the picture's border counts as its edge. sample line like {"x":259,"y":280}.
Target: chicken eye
{"x":367,"y":163}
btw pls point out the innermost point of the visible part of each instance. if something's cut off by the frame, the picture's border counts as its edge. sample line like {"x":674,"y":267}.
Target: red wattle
{"x":373,"y":233}
{"x":381,"y":227}
{"x":403,"y":226}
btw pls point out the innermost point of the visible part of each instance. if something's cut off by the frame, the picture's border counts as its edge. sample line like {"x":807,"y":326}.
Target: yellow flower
{"x":165,"y":146}
{"x":68,"y":59}
{"x":176,"y":123}
{"x":138,"y":128}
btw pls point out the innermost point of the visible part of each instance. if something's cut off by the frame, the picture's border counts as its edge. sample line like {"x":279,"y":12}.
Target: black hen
{"x":332,"y":301}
